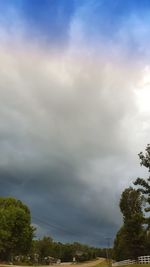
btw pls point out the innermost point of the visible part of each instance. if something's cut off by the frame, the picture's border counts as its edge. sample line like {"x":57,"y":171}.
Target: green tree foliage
{"x":145,"y":183}
{"x":43,"y":247}
{"x":144,"y":187}
{"x":16,"y":232}
{"x":120,"y":251}
{"x":130,"y":240}
{"x":131,"y":205}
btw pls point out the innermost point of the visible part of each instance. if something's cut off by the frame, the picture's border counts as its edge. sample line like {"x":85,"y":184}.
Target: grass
{"x":102,"y":264}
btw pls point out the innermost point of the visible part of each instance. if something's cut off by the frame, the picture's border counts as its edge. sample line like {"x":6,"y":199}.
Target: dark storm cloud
{"x":62,"y":205}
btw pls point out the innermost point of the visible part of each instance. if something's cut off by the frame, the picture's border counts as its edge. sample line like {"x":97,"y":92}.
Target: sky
{"x":74,"y":111}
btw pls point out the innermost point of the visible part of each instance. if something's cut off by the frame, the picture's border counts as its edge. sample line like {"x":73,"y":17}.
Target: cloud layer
{"x":72,"y":121}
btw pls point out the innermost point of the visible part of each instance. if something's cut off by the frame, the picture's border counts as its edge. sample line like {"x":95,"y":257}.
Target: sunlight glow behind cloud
{"x":143,"y":92}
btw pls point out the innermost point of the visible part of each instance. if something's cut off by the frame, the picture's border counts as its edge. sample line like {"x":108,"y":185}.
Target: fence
{"x":144,"y":259}
{"x":141,"y":260}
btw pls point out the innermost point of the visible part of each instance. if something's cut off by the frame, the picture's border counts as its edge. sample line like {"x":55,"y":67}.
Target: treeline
{"x":133,"y":238}
{"x":18,"y":245}
{"x":65,"y":252}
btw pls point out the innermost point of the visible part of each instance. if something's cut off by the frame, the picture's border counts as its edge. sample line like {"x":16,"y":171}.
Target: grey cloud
{"x":68,"y":139}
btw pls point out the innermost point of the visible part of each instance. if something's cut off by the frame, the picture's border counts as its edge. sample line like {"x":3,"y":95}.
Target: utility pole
{"x":107,"y":251}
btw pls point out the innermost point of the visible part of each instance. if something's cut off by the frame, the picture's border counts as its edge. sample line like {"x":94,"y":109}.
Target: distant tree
{"x":130,"y":240}
{"x":16,"y":232}
{"x":43,"y":247}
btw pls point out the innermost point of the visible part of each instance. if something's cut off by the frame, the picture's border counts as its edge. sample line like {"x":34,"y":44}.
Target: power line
{"x":51,"y":225}
{"x":61,"y":229}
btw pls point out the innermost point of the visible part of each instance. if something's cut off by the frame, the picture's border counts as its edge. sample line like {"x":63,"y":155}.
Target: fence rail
{"x":141,"y":260}
{"x":144,"y":259}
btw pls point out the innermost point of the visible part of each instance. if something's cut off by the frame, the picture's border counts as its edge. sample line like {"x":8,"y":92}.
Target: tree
{"x":44,"y":247}
{"x":145,"y":183}
{"x":16,"y":232}
{"x":131,"y":205}
{"x":120,"y":251}
{"x":130,"y":239}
